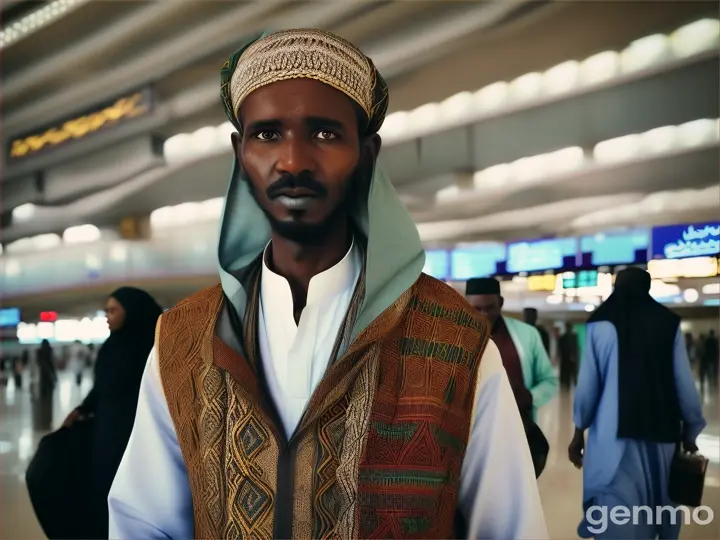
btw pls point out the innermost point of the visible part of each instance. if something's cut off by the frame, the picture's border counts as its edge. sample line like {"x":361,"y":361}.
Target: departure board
{"x":539,"y":255}
{"x":437,"y":263}
{"x":613,"y":248}
{"x":9,"y":317}
{"x":579,"y":280}
{"x":480,"y":261}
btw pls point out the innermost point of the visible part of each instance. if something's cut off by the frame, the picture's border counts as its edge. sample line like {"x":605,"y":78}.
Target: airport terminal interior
{"x":547,"y":144}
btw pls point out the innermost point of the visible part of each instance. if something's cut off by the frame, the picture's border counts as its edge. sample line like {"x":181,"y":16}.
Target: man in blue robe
{"x":637,"y":398}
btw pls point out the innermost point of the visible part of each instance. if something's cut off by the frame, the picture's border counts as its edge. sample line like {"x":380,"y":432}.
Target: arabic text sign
{"x":81,"y":126}
{"x":684,"y":241}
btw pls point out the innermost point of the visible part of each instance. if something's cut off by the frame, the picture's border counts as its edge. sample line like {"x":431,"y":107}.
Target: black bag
{"x":687,"y":478}
{"x":539,"y":446}
{"x":59,"y":481}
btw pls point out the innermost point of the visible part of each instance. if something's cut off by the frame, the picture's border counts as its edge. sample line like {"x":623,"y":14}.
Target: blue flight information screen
{"x":437,"y":263}
{"x":472,"y":262}
{"x":9,"y":317}
{"x":685,"y":241}
{"x":551,"y":254}
{"x":606,"y":249}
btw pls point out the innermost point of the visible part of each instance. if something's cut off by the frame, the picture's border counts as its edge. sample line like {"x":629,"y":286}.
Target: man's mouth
{"x":296,"y":193}
{"x":297,"y":198}
{"x":295,"y":202}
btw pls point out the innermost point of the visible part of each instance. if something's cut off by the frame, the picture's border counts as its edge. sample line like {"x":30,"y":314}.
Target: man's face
{"x":489,"y":305}
{"x":301,"y":152}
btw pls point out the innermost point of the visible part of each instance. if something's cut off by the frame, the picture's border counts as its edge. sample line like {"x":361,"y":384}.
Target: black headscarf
{"x":141,"y":312}
{"x":122,"y":358}
{"x":648,"y":407}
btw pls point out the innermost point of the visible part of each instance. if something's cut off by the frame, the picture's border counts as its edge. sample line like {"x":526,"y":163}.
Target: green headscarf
{"x":394,"y":253}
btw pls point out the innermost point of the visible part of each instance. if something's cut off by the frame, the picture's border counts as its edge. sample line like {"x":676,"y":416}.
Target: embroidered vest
{"x":379,"y":449}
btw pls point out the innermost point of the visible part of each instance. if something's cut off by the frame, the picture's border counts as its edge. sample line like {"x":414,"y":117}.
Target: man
{"x":530,"y":316}
{"x":328,"y":388}
{"x":569,"y":352}
{"x":709,"y":361}
{"x":637,"y":397}
{"x":528,"y":367}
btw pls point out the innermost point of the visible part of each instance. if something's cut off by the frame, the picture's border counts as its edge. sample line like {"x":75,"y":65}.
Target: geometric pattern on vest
{"x":379,"y":450}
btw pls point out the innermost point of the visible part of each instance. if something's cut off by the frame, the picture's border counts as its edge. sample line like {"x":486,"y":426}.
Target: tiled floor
{"x":560,"y":484}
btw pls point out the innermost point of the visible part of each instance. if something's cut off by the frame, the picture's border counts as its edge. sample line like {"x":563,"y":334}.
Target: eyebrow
{"x":314,"y":122}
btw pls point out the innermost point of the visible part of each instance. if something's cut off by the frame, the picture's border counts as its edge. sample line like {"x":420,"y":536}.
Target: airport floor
{"x":560,"y":484}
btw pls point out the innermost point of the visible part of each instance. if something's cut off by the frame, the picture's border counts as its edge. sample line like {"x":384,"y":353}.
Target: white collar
{"x":323,"y":286}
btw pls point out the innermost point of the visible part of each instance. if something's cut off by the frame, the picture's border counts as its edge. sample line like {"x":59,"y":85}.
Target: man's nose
{"x":295,"y":156}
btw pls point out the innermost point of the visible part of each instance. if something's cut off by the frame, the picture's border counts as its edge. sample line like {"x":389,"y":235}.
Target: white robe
{"x":150,"y":497}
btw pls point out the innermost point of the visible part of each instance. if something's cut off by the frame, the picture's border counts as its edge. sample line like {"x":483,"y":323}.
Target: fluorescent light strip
{"x":690,"y":40}
{"x":37,"y":20}
{"x":570,"y":76}
{"x":170,"y":217}
{"x":545,"y":167}
{"x":655,"y":204}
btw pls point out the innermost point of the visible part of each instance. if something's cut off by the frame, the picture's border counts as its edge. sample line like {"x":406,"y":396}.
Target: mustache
{"x":303,"y":180}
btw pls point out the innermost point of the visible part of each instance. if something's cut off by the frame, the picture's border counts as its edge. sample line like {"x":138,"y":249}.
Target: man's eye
{"x":325,"y":135}
{"x":266,"y":135}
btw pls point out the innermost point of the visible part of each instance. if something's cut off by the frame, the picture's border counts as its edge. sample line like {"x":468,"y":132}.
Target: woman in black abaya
{"x":132,"y":315}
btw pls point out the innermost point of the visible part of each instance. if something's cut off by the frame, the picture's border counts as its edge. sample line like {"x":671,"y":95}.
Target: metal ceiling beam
{"x":142,"y":20}
{"x":402,"y":53}
{"x":215,"y":35}
{"x":453,"y":149}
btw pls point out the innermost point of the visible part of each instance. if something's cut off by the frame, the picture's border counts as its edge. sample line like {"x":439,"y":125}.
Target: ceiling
{"x":429,"y":51}
{"x":102,"y":49}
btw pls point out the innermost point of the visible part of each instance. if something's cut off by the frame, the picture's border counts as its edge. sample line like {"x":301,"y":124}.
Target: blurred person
{"x":90,"y":358}
{"x":4,"y":369}
{"x":709,"y":361}
{"x":637,"y":398}
{"x":532,"y":377}
{"x":691,"y":347}
{"x":61,"y":357}
{"x":569,"y":352}
{"x":47,"y":380}
{"x":25,"y":358}
{"x":131,"y":315}
{"x":327,"y":385}
{"x":18,"y":370}
{"x":77,"y":359}
{"x":530,"y":316}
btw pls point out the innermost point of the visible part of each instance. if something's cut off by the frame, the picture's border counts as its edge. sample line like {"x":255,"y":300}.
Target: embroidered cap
{"x":304,"y":54}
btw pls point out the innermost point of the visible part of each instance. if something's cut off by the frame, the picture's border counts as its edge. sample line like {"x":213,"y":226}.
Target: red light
{"x":48,"y":316}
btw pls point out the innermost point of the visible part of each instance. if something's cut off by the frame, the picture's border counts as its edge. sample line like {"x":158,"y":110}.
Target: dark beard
{"x":308,"y":234}
{"x":316,"y":234}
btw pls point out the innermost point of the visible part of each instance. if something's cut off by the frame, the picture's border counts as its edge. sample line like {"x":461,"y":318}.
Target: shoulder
{"x":600,"y":329}
{"x":521,"y":326}
{"x":202,"y":302}
{"x":437,"y":299}
{"x":181,"y":327}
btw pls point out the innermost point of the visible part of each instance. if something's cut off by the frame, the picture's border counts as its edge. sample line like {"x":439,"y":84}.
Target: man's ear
{"x":371,"y":146}
{"x":502,"y":301}
{"x":236,"y":140}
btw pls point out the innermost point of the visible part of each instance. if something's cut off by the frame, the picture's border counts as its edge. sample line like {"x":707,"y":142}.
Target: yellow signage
{"x":542,"y":283}
{"x":123,"y":109}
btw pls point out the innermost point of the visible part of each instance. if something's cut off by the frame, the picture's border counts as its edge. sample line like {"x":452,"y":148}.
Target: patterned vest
{"x":379,"y":449}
